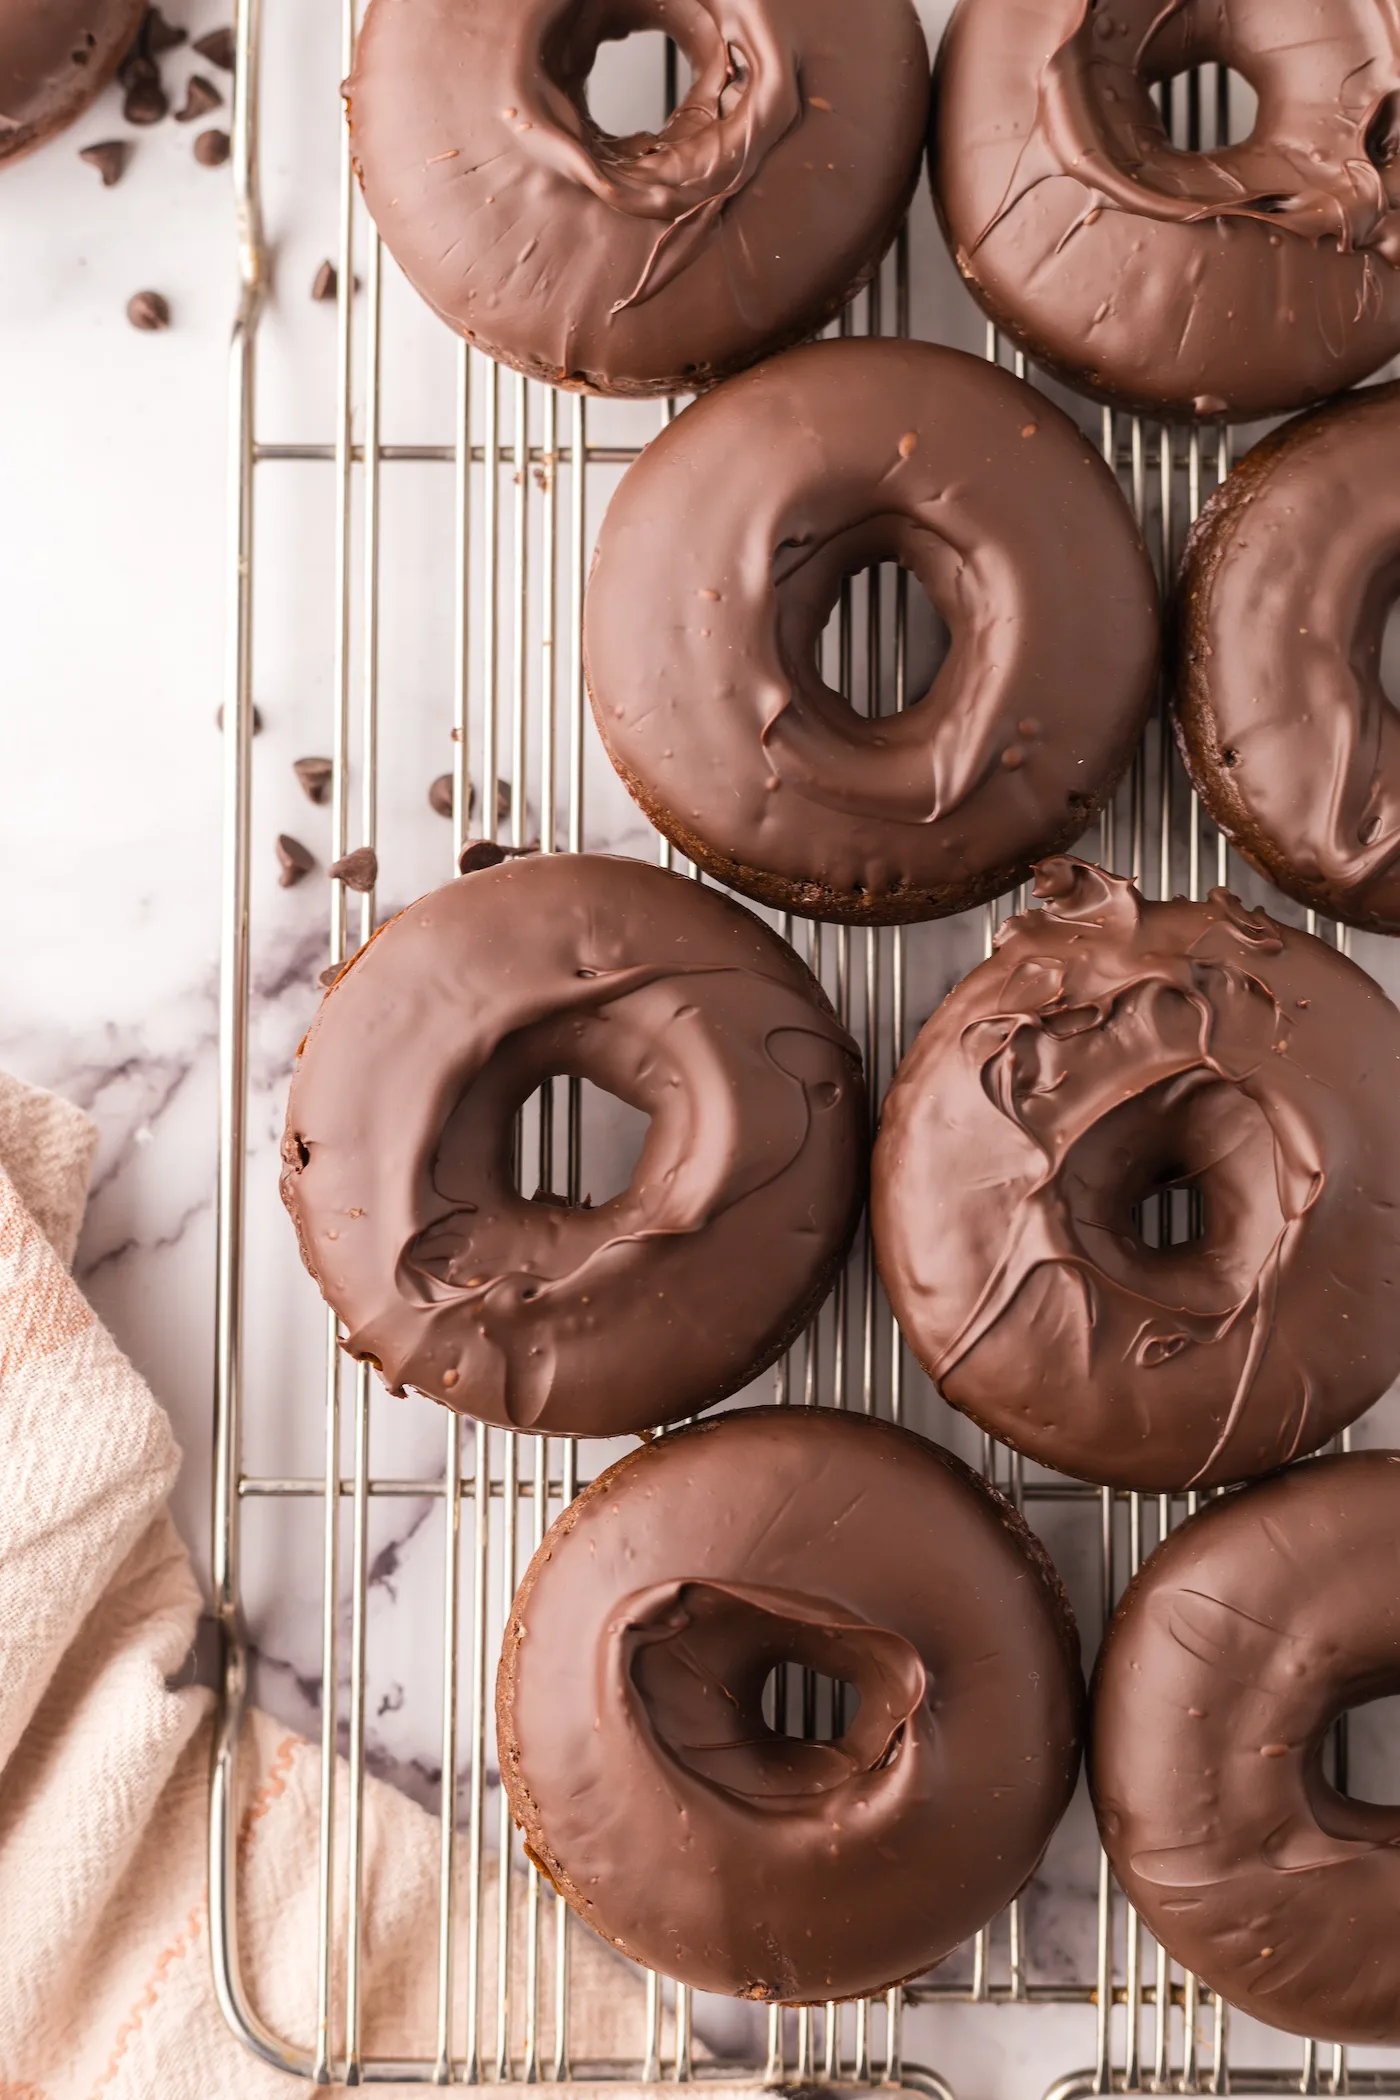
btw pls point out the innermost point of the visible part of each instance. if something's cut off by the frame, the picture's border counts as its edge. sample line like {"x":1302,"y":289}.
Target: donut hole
{"x":873,"y":675}
{"x":633,"y":82}
{"x":768,"y":1695}
{"x":838,"y":598}
{"x":1175,"y":1193}
{"x":1366,"y":1756}
{"x":809,"y":1705}
{"x":612,"y":1137}
{"x":644,"y":76}
{"x":1205,"y":107}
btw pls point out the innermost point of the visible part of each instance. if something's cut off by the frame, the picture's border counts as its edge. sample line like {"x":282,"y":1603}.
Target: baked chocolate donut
{"x":1245,"y":1636}
{"x":655,"y":263}
{"x":721,"y":557}
{"x":634,"y":1747}
{"x":56,"y":56}
{"x":1242,"y":282}
{"x":398,"y":1164}
{"x":1283,"y":721}
{"x":1111,"y":1049}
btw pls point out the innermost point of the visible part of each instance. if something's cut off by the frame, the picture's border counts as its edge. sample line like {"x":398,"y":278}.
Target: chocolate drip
{"x":56,"y":56}
{"x":1242,"y":281}
{"x":1285,"y":726}
{"x":657,"y":262}
{"x":633,"y":1741}
{"x":721,"y":557}
{"x":1109,"y":1050}
{"x":1236,"y":1648}
{"x":587,"y":1319}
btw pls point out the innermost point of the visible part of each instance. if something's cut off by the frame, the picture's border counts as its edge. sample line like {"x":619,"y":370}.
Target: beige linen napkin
{"x":105,"y":1980}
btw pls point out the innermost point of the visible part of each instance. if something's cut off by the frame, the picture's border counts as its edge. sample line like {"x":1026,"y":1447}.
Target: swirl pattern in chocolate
{"x":721,"y":557}
{"x":1243,"y":1639}
{"x":653,"y":263}
{"x":1243,"y":281}
{"x":56,"y":56}
{"x":1280,"y":614}
{"x":1111,"y":1049}
{"x":630,"y":1721}
{"x":398,"y":1159}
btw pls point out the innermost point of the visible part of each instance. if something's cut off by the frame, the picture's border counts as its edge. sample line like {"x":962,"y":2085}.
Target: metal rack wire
{"x":520,"y":460}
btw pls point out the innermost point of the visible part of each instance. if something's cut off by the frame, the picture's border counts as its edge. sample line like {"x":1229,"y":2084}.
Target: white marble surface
{"x":112,"y":583}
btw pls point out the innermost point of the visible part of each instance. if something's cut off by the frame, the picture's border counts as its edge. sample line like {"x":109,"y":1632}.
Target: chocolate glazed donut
{"x":398,"y":1159}
{"x":721,"y":557}
{"x":655,"y":263}
{"x":1111,"y":1050}
{"x":1246,"y":1635}
{"x":634,"y":1747}
{"x":1246,"y":281}
{"x":56,"y":56}
{"x":1283,"y":721}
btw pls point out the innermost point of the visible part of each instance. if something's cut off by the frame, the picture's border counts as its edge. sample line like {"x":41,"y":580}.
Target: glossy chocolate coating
{"x":648,"y":264}
{"x":1246,"y":281}
{"x":1108,"y":1049}
{"x":398,"y":1155}
{"x":633,"y":1745}
{"x":721,"y":557}
{"x":1242,"y":1640}
{"x":1279,"y":619}
{"x":56,"y":56}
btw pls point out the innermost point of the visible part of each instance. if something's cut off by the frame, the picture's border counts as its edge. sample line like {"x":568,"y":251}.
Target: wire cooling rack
{"x":528,"y":472}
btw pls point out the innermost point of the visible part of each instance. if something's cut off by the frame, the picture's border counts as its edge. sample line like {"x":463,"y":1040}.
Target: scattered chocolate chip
{"x":218,"y":48}
{"x":486,"y":853}
{"x":109,"y":158}
{"x":315,"y":777}
{"x":329,"y":975}
{"x":211,"y":149}
{"x":294,"y":859}
{"x":440,"y":795}
{"x":257,"y":720}
{"x":358,"y":870}
{"x":159,"y":36}
{"x":146,"y":100}
{"x":324,"y":284}
{"x":137,"y":65}
{"x":149,"y":311}
{"x":200,"y":97}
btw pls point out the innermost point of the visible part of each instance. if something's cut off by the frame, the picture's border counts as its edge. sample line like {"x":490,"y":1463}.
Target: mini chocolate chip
{"x":146,"y":100}
{"x":159,"y":36}
{"x":109,"y":158}
{"x":294,"y":859}
{"x":200,"y":97}
{"x":211,"y":149}
{"x":137,"y":65}
{"x":314,"y":775}
{"x":487,"y":853}
{"x":332,"y":971}
{"x":148,"y":311}
{"x":325,"y":283}
{"x":358,"y":870}
{"x":257,"y":720}
{"x":218,"y":48}
{"x":440,"y":795}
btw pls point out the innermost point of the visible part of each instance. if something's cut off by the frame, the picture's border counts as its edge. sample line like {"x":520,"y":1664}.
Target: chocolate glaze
{"x":56,"y":56}
{"x":648,"y":264}
{"x":398,"y":1154}
{"x":721,"y":557}
{"x":1279,"y":618}
{"x":1242,"y":282}
{"x":1110,"y":1048}
{"x":1242,"y":1640}
{"x":633,"y":1745}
